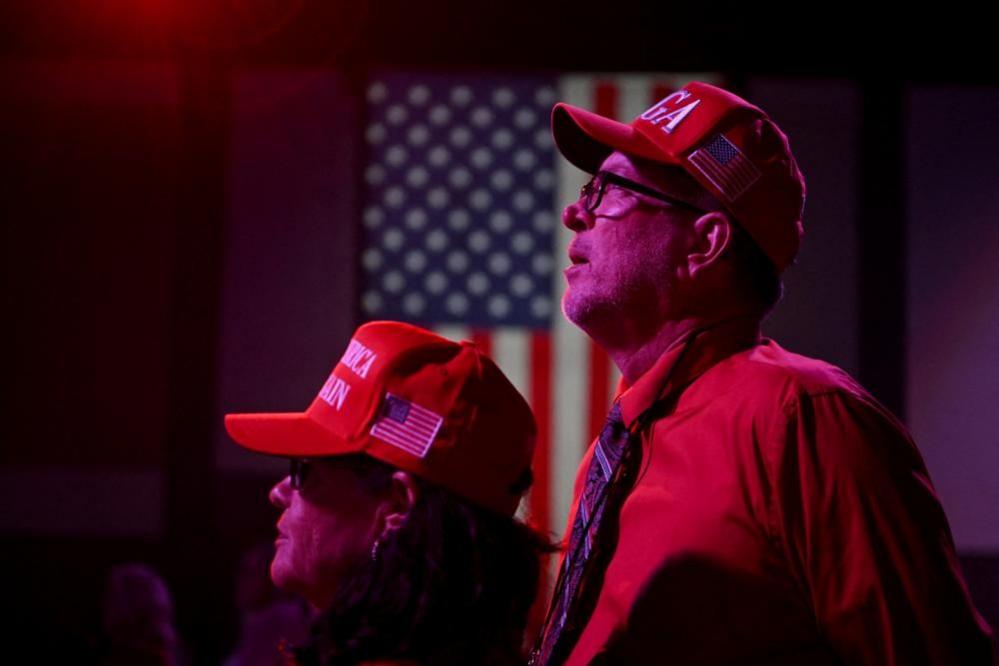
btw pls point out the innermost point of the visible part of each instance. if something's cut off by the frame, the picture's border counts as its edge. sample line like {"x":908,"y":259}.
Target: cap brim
{"x":586,"y":138}
{"x":294,"y":435}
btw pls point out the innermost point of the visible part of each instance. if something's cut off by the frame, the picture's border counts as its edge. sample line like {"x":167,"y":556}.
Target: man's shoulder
{"x":769,"y":381}
{"x":781,"y":395}
{"x":769,"y":370}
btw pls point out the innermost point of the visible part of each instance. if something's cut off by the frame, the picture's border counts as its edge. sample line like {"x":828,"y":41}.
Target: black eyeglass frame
{"x":597,"y":185}
{"x":299,"y":471}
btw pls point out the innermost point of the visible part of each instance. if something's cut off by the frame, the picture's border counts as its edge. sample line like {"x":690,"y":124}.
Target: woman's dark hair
{"x":453,"y":585}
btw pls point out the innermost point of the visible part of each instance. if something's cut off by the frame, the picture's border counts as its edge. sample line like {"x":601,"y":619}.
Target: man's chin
{"x":583,"y":311}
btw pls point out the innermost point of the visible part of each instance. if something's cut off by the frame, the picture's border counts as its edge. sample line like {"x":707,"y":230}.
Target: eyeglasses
{"x":592,"y":194}
{"x":299,"y":470}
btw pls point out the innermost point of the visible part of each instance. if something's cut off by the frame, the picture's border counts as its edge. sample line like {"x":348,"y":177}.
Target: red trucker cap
{"x":439,"y":409}
{"x":729,"y":146}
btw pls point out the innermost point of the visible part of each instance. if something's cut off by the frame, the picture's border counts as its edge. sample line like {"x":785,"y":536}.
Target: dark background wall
{"x":179,"y":212}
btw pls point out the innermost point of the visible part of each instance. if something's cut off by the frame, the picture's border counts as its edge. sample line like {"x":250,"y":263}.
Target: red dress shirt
{"x":780,"y":516}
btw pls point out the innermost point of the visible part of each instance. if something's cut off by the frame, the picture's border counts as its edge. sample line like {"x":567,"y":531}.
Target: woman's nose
{"x":280,"y":493}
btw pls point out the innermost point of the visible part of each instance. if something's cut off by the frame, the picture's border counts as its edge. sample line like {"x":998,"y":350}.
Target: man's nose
{"x":280,"y":493}
{"x":575,"y":217}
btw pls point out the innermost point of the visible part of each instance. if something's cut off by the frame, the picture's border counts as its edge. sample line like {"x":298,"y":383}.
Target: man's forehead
{"x":618,"y":163}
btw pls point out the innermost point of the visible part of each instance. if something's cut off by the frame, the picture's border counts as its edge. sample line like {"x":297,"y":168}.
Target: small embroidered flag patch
{"x":406,"y":425}
{"x":725,"y":166}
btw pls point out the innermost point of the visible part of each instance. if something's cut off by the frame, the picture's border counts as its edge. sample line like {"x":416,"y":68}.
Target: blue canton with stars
{"x":721,"y":150}
{"x":396,"y":409}
{"x":459,"y":219}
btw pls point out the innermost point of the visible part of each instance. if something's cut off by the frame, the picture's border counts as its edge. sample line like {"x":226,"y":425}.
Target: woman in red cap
{"x":397,"y":519}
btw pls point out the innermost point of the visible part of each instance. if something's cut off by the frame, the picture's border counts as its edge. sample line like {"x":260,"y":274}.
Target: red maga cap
{"x":417,"y":401}
{"x":728,"y":145}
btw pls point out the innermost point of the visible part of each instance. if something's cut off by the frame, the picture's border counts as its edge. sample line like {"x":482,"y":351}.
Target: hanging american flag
{"x":461,"y":233}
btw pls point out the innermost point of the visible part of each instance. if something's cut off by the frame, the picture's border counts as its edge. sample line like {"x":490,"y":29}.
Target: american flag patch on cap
{"x":725,"y":166}
{"x":406,"y":425}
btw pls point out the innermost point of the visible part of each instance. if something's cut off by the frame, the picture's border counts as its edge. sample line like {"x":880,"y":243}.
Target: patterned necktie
{"x":603,"y":469}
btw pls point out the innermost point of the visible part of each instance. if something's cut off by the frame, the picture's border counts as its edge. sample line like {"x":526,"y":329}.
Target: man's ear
{"x":712,"y":234}
{"x":398,"y":503}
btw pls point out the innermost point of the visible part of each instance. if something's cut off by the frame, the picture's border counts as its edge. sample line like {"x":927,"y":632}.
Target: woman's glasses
{"x":299,"y":470}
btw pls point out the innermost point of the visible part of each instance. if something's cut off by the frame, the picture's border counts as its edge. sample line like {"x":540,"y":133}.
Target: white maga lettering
{"x":335,"y":392}
{"x":677,"y":116}
{"x":658,"y":110}
{"x":662,"y":111}
{"x":358,"y":358}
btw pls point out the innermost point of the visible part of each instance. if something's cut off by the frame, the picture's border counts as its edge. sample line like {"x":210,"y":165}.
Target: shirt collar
{"x":685,"y":361}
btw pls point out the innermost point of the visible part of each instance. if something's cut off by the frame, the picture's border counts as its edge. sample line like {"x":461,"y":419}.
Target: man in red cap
{"x":743,"y":504}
